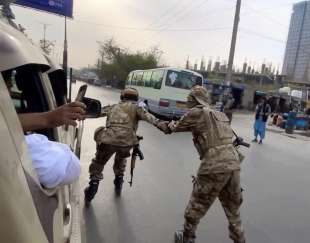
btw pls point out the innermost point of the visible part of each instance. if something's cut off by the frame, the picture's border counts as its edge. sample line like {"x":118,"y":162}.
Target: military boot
{"x":90,"y":191}
{"x":179,"y":238}
{"x":243,"y":241}
{"x":118,"y":182}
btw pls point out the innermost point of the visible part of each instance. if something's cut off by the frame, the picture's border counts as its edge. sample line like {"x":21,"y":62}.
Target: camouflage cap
{"x":130,"y":94}
{"x":200,"y":94}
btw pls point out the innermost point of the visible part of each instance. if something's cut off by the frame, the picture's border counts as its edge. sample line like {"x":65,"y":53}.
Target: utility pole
{"x":233,"y":42}
{"x":65,"y":52}
{"x":44,"y":34}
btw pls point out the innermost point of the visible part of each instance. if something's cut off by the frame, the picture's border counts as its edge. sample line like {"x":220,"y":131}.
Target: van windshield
{"x":182,"y":80}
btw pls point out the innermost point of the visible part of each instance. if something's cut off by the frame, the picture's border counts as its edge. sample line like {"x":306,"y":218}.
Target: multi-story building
{"x":297,"y":54}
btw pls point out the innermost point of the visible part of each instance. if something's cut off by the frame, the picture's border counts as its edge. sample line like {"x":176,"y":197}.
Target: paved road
{"x":275,"y":177}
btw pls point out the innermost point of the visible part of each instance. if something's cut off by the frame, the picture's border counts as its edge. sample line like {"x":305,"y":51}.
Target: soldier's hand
{"x":163,"y":126}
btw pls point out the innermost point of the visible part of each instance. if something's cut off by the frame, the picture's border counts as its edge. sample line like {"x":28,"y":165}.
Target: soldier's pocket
{"x":97,"y":133}
{"x":222,"y":126}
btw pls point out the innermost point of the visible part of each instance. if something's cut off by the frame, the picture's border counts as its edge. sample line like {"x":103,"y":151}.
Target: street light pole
{"x":65,"y":52}
{"x":233,"y":42}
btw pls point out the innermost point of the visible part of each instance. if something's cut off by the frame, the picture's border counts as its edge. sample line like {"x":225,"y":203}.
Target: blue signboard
{"x":60,"y":7}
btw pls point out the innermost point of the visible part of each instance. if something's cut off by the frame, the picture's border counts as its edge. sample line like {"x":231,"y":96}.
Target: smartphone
{"x":81,"y":93}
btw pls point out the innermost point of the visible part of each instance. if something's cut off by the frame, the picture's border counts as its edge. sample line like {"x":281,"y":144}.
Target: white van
{"x":30,"y":213}
{"x":164,"y":90}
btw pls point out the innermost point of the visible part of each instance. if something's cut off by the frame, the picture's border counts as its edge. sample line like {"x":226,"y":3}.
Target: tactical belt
{"x":224,"y":143}
{"x":120,"y":126}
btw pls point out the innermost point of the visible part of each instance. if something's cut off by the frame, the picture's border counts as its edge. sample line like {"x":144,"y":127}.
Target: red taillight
{"x":164,"y":103}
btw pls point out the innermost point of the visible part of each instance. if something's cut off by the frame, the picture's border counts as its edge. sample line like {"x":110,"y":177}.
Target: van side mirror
{"x":93,"y":107}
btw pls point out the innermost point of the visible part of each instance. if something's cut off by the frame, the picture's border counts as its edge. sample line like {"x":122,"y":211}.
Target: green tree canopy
{"x":115,"y":63}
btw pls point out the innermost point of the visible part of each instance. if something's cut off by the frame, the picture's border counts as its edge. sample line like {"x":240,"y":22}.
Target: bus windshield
{"x":182,"y":80}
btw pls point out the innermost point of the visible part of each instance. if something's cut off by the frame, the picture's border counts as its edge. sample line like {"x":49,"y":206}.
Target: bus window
{"x":128,"y":81}
{"x":182,"y":80}
{"x":147,"y":78}
{"x":157,"y":78}
{"x":134,"y":79}
{"x":140,"y":79}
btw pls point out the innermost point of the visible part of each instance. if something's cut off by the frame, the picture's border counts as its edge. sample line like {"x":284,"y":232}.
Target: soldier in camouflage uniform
{"x":219,"y":172}
{"x":118,"y":137}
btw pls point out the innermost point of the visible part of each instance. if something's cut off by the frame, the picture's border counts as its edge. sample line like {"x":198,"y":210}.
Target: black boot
{"x":179,"y":238}
{"x":118,"y":182}
{"x":243,"y":241}
{"x":90,"y":191}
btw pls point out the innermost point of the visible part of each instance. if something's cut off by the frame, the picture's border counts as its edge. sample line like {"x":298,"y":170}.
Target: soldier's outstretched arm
{"x":144,"y":115}
{"x":148,"y":117}
{"x":186,"y":123}
{"x":105,"y":110}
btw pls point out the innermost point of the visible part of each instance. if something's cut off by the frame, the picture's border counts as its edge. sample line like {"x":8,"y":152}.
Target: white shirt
{"x":54,"y":162}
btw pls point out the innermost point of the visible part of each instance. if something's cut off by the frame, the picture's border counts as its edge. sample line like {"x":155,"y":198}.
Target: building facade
{"x":297,"y":54}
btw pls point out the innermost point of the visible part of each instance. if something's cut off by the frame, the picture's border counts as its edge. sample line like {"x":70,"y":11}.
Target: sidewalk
{"x":298,"y":134}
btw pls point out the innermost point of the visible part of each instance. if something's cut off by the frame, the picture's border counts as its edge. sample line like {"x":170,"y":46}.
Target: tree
{"x":115,"y":63}
{"x":47,"y":46}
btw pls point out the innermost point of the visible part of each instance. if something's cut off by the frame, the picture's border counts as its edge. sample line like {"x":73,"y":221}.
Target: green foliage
{"x":115,"y":62}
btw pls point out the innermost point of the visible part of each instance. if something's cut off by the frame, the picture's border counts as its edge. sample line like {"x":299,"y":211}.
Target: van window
{"x":157,"y":79}
{"x":27,"y":92}
{"x":59,"y":86}
{"x":182,"y":80}
{"x":134,"y":78}
{"x":147,"y":78}
{"x":19,"y":102}
{"x":140,"y":79}
{"x":128,"y":81}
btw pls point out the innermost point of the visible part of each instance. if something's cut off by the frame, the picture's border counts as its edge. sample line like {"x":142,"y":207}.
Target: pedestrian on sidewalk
{"x":262,"y":112}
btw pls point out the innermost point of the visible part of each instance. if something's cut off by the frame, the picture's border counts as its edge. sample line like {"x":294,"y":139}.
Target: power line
{"x":212,"y":12}
{"x":271,"y":8}
{"x":260,"y":12}
{"x":182,"y":14}
{"x":152,"y":29}
{"x":250,"y":32}
{"x":266,"y":16}
{"x":167,"y":12}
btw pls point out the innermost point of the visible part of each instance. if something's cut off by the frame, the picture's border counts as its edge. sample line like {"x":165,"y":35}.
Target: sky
{"x":181,"y":28}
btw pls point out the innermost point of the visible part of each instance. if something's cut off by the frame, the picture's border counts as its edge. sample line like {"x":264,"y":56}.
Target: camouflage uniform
{"x":219,"y":172}
{"x":118,"y":137}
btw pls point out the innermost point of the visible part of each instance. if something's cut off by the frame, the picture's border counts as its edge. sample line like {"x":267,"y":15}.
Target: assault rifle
{"x":240,"y":142}
{"x":136,"y":152}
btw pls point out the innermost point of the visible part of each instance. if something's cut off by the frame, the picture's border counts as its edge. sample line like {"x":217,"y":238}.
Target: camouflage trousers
{"x":103,"y":154}
{"x":225,"y":187}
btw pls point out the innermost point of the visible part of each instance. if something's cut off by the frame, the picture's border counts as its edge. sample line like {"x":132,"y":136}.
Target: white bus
{"x":164,"y":90}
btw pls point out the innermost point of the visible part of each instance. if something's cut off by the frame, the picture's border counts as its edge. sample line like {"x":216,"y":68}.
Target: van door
{"x":56,"y":208}
{"x":20,"y":222}
{"x":68,"y":195}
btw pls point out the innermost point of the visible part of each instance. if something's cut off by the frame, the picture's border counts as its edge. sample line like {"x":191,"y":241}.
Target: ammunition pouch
{"x":200,"y":145}
{"x":97,"y":133}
